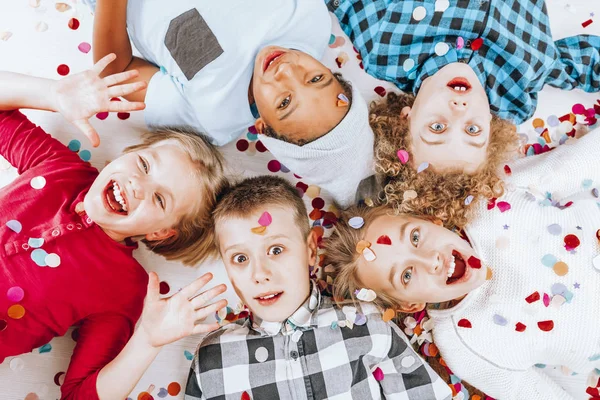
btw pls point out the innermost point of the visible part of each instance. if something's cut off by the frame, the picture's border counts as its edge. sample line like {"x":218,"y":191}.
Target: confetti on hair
{"x":409,"y":195}
{"x":259,"y":230}
{"x":366,"y":295}
{"x":265,"y":219}
{"x":356,"y":222}
{"x":469,"y":200}
{"x":422,"y":167}
{"x":369,"y":254}
{"x":474,"y":262}
{"x":384,"y":239}
{"x":342,"y":100}
{"x":403,"y":156}
{"x":361,"y":245}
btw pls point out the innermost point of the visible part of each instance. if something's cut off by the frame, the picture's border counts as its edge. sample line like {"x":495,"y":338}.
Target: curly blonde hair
{"x":440,"y":195}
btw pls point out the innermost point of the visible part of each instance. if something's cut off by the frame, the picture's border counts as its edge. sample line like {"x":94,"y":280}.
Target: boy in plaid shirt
{"x":462,"y":59}
{"x":296,"y":344}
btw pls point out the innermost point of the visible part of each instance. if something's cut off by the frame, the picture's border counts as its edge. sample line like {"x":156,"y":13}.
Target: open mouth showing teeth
{"x":457,"y":269}
{"x":459,"y":85}
{"x":269,"y":298}
{"x":271,"y":58}
{"x":114,"y":198}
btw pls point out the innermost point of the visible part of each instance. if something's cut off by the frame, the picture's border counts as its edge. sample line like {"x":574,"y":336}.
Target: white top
{"x":206,"y":51}
{"x":518,"y":244}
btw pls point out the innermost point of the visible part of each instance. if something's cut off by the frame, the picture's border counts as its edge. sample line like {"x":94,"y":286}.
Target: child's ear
{"x":311,"y":245}
{"x":411,"y":307}
{"x":405,"y":112}
{"x":161,"y":234}
{"x":260,"y":125}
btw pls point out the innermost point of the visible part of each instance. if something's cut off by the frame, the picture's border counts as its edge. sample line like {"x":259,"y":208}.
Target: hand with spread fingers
{"x":82,"y":95}
{"x":167,"y":320}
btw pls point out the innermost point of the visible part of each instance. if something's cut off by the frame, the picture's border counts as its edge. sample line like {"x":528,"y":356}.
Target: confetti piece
{"x":419,"y":13}
{"x":366,"y":295}
{"x":63,"y":70}
{"x":596,"y":262}
{"x":546,"y":326}
{"x":378,"y":374}
{"x":38,"y":182}
{"x":16,"y":226}
{"x":102,"y":115}
{"x":361,"y":245}
{"x":369,"y":254}
{"x":441,"y":49}
{"x":571,"y":242}
{"x":341,"y":59}
{"x":5,"y":35}
{"x":52,"y":260}
{"x":587,"y":23}
{"x":441,"y":5}
{"x":123,"y":115}
{"x":16,"y":311}
{"x":162,"y":393}
{"x":62,"y":7}
{"x":388,"y":315}
{"x":35,"y":242}
{"x":380,"y":90}
{"x":595,"y":192}
{"x":549,"y":260}
{"x":403,"y":156}
{"x":519,"y":327}
{"x":422,"y":167}
{"x":488,"y":275}
{"x":313,"y":191}
{"x":163,"y":288}
{"x":356,"y":222}
{"x":384,"y":239}
{"x":261,"y":354}
{"x":16,"y":364}
{"x":259,"y":230}
{"x":557,"y":301}
{"x":503,"y":206}
{"x":188,"y":356}
{"x":84,"y":47}
{"x":465,"y":323}
{"x":554,"y":229}
{"x":507,"y":170}
{"x":468,"y":200}
{"x":476,"y":44}
{"x":460,"y":43}
{"x":38,"y":256}
{"x":546,"y":300}
{"x":409,"y":195}
{"x":47,"y":348}
{"x":15,"y":294}
{"x":360,"y":320}
{"x":560,"y":268}
{"x":500,"y":320}
{"x":74,"y":24}
{"x":474,"y":262}
{"x":408,"y":65}
{"x":407,"y":362}
{"x":265,"y":219}
{"x":533,"y":297}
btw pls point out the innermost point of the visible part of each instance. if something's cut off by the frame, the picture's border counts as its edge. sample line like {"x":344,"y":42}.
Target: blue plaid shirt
{"x":516,"y":58}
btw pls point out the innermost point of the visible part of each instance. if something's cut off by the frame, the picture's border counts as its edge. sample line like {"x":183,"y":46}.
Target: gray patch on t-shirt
{"x":192,"y":43}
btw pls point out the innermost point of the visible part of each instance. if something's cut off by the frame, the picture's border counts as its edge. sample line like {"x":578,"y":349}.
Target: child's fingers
{"x":123,"y":106}
{"x":153,"y":291}
{"x":204,"y":328}
{"x":120,"y":77}
{"x":190,"y":290}
{"x":205,"y":297}
{"x":123,"y":90}
{"x":88,"y":130}
{"x":103,"y":63}
{"x":210,"y":309}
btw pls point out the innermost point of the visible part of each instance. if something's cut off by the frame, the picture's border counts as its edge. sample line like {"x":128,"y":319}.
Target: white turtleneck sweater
{"x":510,"y":331}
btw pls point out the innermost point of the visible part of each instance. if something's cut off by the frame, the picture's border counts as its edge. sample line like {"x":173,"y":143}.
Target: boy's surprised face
{"x":137,"y":195}
{"x":295,"y":95}
{"x":269,"y":270}
{"x":450,"y":121}
{"x":418,"y":262}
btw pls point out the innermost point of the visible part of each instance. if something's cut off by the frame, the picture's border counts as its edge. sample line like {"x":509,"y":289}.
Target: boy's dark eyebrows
{"x":289,"y":112}
{"x":324,"y":85}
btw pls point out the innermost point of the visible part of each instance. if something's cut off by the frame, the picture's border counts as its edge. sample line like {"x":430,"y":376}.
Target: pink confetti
{"x":84,"y":47}
{"x":378,"y":374}
{"x":578,"y":109}
{"x":503,"y":206}
{"x":546,"y":300}
{"x":403,"y":156}
{"x":265,"y":219}
{"x":460,"y":43}
{"x":102,"y":116}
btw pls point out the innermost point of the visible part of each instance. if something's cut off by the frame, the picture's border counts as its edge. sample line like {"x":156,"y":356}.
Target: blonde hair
{"x":193,"y":241}
{"x":244,"y":198}
{"x":341,"y":255}
{"x":441,"y":195}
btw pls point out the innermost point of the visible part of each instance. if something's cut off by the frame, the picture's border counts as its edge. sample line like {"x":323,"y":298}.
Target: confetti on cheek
{"x":84,"y":47}
{"x":366,"y":295}
{"x":403,"y":156}
{"x":369,"y":254}
{"x":14,"y":225}
{"x":571,"y":242}
{"x":384,"y":239}
{"x":63,"y":70}
{"x":378,"y":374}
{"x":388,"y":315}
{"x":519,"y":327}
{"x":265,"y":219}
{"x":474,"y":262}
{"x":465,"y":323}
{"x":546,"y":326}
{"x":361,"y":245}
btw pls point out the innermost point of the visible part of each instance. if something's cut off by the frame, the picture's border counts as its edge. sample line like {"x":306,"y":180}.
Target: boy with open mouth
{"x":511,"y":297}
{"x":296,"y":343}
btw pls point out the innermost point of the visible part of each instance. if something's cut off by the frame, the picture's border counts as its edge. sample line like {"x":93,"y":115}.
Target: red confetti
{"x":503,"y":206}
{"x":384,"y":239}
{"x":507,"y":170}
{"x":465,"y":323}
{"x":519,"y":327}
{"x":571,"y":242}
{"x":174,"y":388}
{"x":380,"y":90}
{"x":164,"y":288}
{"x":594,"y":392}
{"x":318,"y":203}
{"x":474,"y":262}
{"x":476,"y":44}
{"x":57,"y":378}
{"x":491,"y":203}
{"x":569,"y":204}
{"x":274,"y":166}
{"x":3,"y":324}
{"x":242,"y":145}
{"x":585,"y":24}
{"x":533,"y":297}
{"x":598,"y":234}
{"x":63,"y":70}
{"x":260,"y":147}
{"x":74,"y":23}
{"x":245,"y":396}
{"x":315,"y":214}
{"x":546,"y":326}
{"x":378,"y":374}
{"x":123,"y":115}
{"x":102,"y":115}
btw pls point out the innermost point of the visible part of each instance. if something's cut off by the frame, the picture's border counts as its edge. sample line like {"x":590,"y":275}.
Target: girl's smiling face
{"x":425,"y":263}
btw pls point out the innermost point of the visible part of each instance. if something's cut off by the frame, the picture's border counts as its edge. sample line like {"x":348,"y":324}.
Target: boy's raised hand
{"x":83,"y":95}
{"x":167,"y":320}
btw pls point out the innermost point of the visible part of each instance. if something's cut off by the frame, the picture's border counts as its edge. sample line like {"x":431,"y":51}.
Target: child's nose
{"x":137,"y":188}
{"x":458,"y":105}
{"x":432,"y":263}
{"x":261,"y":272}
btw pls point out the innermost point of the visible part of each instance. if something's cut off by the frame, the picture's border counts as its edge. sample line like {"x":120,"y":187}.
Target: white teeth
{"x":463,"y":89}
{"x":457,"y":88}
{"x":452,"y":267}
{"x":118,"y":197}
{"x":268,"y":297}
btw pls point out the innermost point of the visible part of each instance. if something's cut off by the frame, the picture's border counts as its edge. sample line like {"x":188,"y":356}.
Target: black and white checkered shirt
{"x":321,"y":352}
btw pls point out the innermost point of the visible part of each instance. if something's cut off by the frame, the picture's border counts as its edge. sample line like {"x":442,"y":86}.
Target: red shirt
{"x":97,"y":281}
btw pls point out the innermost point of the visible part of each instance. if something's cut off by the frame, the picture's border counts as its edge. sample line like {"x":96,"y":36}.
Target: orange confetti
{"x":315,"y":214}
{"x":433,"y":350}
{"x":16,"y":311}
{"x":62,"y":7}
{"x":144,"y":396}
{"x":538,"y":123}
{"x":259,"y":230}
{"x":488,"y":276}
{"x":361,"y":245}
{"x":174,"y":388}
{"x":342,"y":103}
{"x":388,"y":315}
{"x":560,"y":268}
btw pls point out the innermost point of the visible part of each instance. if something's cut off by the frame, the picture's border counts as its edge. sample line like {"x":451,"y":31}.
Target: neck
{"x":447,"y":304}
{"x":117,"y":237}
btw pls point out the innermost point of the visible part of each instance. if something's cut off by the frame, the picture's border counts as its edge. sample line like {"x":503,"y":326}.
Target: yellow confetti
{"x":361,"y":245}
{"x":388,"y":315}
{"x":5,"y":35}
{"x":62,"y":7}
{"x":313,"y":191}
{"x":259,"y":230}
{"x":488,"y":275}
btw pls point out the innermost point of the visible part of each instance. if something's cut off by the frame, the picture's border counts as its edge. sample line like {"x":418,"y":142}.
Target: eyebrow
{"x":273,"y":237}
{"x":403,"y":231}
{"x":392,"y":274}
{"x":477,"y":145}
{"x":164,"y":190}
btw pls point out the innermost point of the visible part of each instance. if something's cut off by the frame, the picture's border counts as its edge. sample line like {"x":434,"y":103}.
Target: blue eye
{"x":473,"y":130}
{"x":144,"y":164}
{"x":415,"y":236}
{"x":407,"y":275}
{"x":437,"y":127}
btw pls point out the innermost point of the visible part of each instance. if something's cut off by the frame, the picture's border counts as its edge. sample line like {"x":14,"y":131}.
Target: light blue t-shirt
{"x":206,"y":49}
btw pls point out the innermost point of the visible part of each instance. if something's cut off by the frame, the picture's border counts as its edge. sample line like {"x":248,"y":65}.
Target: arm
{"x":110,"y":36}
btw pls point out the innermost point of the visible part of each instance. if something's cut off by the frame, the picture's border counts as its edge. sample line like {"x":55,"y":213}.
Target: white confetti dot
{"x":261,"y":354}
{"x":407,"y":362}
{"x":38,"y":182}
{"x":16,"y":364}
{"x":52,"y":260}
{"x":419,"y":13}
{"x":441,"y":5}
{"x":408,"y":64}
{"x":441,"y":49}
{"x":597,"y":262}
{"x":356,"y":222}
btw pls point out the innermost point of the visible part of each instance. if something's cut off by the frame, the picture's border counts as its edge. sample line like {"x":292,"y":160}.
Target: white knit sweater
{"x":493,"y":355}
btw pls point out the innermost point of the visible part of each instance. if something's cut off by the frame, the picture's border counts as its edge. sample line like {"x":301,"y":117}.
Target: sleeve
{"x":101,"y":338}
{"x":193,"y":391}
{"x":562,"y":171}
{"x":407,"y":375}
{"x":579,"y":63}
{"x":166,"y":105}
{"x":25,"y":145}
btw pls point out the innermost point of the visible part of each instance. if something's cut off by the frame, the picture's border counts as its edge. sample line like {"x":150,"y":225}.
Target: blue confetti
{"x":45,"y":348}
{"x":35,"y":242}
{"x":14,"y":225}
{"x":587,"y":183}
{"x":188,"y":355}
{"x":500,"y":320}
{"x":162,"y":393}
{"x":74,"y":145}
{"x":85,"y":155}
{"x":558,"y":288}
{"x":332,"y":39}
{"x":252,"y":136}
{"x":39,"y":257}
{"x":549,"y":260}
